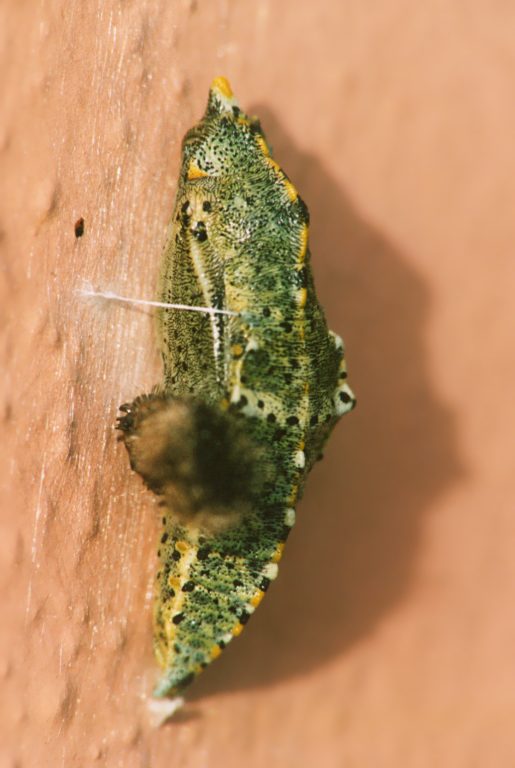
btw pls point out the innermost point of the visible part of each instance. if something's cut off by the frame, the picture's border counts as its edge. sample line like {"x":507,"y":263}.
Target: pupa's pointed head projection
{"x":250,"y":392}
{"x":221,"y":98}
{"x":224,"y":124}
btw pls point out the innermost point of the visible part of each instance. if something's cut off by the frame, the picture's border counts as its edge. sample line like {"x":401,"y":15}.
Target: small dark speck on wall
{"x":79,"y":227}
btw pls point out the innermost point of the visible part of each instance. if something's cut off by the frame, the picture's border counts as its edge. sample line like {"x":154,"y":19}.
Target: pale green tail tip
{"x":171,"y":683}
{"x":163,"y":688}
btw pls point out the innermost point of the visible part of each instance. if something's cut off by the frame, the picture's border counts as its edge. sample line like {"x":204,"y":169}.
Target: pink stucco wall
{"x":389,"y":638}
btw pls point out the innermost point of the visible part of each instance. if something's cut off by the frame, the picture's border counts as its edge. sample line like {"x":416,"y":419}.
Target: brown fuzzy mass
{"x":196,"y":456}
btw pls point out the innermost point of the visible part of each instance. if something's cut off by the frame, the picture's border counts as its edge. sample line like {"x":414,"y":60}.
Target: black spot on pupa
{"x":203,"y":553}
{"x":345,"y":397}
{"x":176,"y":555}
{"x":244,"y":617}
{"x":292,"y":421}
{"x":303,"y":210}
{"x":164,"y":537}
{"x":286,"y":326}
{"x":186,"y":680}
{"x":265,"y":583}
{"x":178,"y":618}
{"x":266,"y":312}
{"x":189,"y":586}
{"x":260,"y":404}
{"x":314,"y":420}
{"x":185,"y":206}
{"x":302,"y":277}
{"x":199,"y":231}
{"x":206,"y":206}
{"x":271,"y":418}
{"x":255,"y":126}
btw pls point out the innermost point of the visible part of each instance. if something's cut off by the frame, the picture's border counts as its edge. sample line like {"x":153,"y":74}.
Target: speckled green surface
{"x":248,"y":399}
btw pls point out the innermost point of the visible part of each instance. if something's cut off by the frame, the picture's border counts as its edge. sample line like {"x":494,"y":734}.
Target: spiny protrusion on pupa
{"x":221,"y":97}
{"x":197,"y":456}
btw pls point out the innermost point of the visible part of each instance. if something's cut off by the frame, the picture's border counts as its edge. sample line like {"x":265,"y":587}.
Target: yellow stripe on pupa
{"x":304,"y":234}
{"x":263,"y":146}
{"x":275,"y":166}
{"x":290,"y":190}
{"x":302,"y":297}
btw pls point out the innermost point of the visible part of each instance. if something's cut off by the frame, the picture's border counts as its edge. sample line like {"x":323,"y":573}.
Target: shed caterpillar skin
{"x":248,"y":399}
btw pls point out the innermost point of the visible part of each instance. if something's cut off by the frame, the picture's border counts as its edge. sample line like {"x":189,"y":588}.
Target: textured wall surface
{"x":389,"y":638}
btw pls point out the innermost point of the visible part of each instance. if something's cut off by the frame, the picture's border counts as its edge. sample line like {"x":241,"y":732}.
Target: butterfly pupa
{"x":251,"y":390}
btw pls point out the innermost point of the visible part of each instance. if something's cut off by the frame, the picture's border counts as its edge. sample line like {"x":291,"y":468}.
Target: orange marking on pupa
{"x":222,"y":86}
{"x":194,"y":172}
